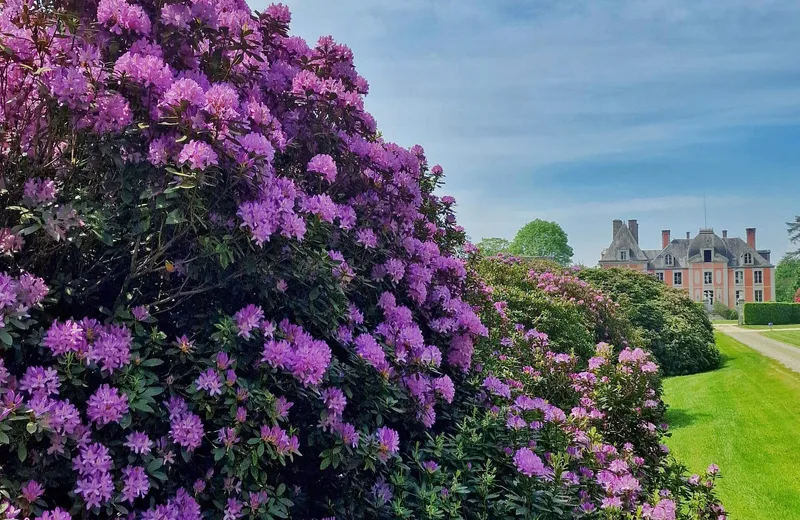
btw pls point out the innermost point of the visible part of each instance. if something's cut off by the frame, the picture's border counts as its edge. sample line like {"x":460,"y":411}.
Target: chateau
{"x":711,"y":268}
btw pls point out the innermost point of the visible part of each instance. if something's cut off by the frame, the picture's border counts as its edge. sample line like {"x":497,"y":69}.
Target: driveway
{"x":777,"y":350}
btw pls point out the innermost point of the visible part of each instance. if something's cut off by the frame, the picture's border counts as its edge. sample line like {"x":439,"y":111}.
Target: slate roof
{"x":684,"y":251}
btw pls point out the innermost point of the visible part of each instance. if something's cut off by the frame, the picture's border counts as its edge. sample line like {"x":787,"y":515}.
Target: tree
{"x":787,"y":278}
{"x":491,"y":246}
{"x":542,"y":238}
{"x":794,"y":233}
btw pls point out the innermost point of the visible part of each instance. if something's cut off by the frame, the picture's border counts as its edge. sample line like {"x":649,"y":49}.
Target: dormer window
{"x":706,"y":255}
{"x":668,"y":259}
{"x":623,"y":255}
{"x":748,"y":259}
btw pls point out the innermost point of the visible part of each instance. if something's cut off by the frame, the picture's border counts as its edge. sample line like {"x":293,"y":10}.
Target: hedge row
{"x":777,"y":313}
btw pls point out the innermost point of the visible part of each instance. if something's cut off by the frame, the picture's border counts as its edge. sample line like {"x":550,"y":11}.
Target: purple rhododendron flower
{"x":106,"y":405}
{"x":324,"y":165}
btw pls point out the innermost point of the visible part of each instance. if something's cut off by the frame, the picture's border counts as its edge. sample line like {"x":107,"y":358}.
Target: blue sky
{"x":582,"y":112}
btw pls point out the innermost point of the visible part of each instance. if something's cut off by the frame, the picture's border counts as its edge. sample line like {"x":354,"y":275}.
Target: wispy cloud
{"x":509,"y":94}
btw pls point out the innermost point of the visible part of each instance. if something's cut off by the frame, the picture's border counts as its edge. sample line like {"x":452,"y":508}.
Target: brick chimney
{"x":664,"y":238}
{"x":751,"y":237}
{"x":687,"y":235}
{"x":633,"y":226}
{"x":724,"y":233}
{"x":617,"y":224}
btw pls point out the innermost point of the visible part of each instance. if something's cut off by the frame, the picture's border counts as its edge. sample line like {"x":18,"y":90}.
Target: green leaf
{"x":4,"y":438}
{"x":31,"y":428}
{"x":5,"y":337}
{"x":175,"y":217}
{"x":152,"y":362}
{"x":154,"y":465}
{"x":325,"y":463}
{"x":22,"y":452}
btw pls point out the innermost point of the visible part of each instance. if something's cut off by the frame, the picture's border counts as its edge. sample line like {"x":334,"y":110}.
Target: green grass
{"x":725,"y":322}
{"x":792,"y":337}
{"x":745,"y":417}
{"x":766,"y":327}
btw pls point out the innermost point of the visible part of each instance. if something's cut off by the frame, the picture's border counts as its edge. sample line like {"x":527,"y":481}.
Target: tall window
{"x":677,"y":278}
{"x":623,"y":255}
{"x":758,"y":277}
{"x":708,"y":277}
{"x":708,"y":296}
{"x":660,"y":276}
{"x":738,"y":277}
{"x":668,"y":259}
{"x":759,"y":295}
{"x":706,"y":255}
{"x":748,"y":259}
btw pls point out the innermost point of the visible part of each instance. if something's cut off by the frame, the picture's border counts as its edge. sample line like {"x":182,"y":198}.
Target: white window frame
{"x":623,"y":255}
{"x":677,"y":278}
{"x":738,"y":295}
{"x":668,"y":260}
{"x":758,"y":295}
{"x":708,"y":296}
{"x":747,"y":259}
{"x":758,"y":276}
{"x":660,"y":276}
{"x":738,"y":277}
{"x":708,"y":277}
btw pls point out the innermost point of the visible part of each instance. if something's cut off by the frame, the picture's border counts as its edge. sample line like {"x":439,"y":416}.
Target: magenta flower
{"x":107,"y":405}
{"x":32,"y":491}
{"x":55,"y":514}
{"x":248,"y":319}
{"x":335,"y":400}
{"x":187,"y":431}
{"x":529,"y":464}
{"x":40,"y":380}
{"x":324,"y":165}
{"x":140,"y":313}
{"x":210,"y":381}
{"x":388,"y":442}
{"x":139,"y":442}
{"x":430,"y":466}
{"x":198,"y":154}
{"x":135,"y":483}
{"x":39,"y":191}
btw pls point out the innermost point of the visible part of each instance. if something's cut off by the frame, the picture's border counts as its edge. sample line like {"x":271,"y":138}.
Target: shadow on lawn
{"x":677,"y":418}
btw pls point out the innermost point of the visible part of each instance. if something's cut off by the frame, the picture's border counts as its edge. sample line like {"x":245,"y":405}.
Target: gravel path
{"x":785,"y":354}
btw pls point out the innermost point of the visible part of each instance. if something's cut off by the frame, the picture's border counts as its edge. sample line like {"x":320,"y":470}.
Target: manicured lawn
{"x":745,"y":417}
{"x":792,"y":337}
{"x":766,"y":327}
{"x":725,"y":322}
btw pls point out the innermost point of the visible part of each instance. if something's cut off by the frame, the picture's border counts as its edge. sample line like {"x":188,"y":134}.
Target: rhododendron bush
{"x":224,"y":295}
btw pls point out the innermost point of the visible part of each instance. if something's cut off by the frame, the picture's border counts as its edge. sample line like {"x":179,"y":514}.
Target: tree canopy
{"x":490,"y":246}
{"x":544,"y":239}
{"x":787,"y":279}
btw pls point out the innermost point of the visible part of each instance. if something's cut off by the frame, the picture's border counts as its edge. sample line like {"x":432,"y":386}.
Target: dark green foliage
{"x":667,"y":322}
{"x":787,"y":279}
{"x":724,"y":311}
{"x":777,"y":313}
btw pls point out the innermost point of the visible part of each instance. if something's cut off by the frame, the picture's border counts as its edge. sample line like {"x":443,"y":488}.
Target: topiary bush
{"x":671,"y":326}
{"x":223,"y":295}
{"x":777,"y":313}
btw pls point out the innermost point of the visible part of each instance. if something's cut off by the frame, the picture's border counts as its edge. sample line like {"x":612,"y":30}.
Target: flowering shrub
{"x":551,"y":435}
{"x":665,"y":320}
{"x":223,"y":295}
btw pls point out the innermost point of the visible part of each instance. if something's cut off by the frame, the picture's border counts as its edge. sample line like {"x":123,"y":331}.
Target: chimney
{"x":664,"y":238}
{"x":634,"y":228}
{"x":687,"y":235}
{"x":724,"y":233}
{"x":751,"y":237}
{"x":617,"y":224}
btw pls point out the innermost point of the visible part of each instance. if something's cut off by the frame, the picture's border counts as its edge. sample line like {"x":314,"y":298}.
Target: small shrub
{"x":724,"y":311}
{"x":777,"y":313}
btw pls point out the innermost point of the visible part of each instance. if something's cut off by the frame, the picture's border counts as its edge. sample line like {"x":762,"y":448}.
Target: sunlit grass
{"x":745,"y":417}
